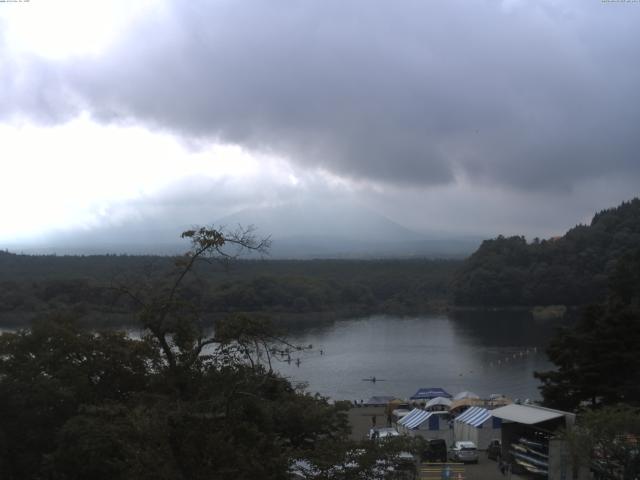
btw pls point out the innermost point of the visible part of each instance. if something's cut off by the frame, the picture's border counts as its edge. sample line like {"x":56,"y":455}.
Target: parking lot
{"x":484,"y":470}
{"x":361,"y":421}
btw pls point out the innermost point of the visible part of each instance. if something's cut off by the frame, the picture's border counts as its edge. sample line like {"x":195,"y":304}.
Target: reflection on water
{"x":488,"y":353}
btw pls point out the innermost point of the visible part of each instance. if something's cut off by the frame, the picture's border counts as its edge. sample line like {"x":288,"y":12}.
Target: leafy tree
{"x":48,"y":373}
{"x":607,"y":440}
{"x":598,"y":359}
{"x":182,"y":402}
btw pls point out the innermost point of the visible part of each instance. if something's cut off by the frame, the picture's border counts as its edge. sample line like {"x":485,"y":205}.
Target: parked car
{"x":435,"y":450}
{"x":494,"y":450}
{"x":464,"y":452}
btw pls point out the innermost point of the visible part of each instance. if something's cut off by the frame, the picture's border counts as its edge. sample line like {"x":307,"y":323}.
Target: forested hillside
{"x":570,"y":270}
{"x":597,"y":359}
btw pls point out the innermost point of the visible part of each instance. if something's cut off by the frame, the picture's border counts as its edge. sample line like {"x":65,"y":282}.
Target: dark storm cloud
{"x":533,"y":95}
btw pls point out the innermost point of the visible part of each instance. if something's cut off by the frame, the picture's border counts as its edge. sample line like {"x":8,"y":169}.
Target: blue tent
{"x":429,"y":393}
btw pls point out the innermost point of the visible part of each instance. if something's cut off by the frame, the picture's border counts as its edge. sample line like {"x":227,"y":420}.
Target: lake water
{"x":488,"y":353}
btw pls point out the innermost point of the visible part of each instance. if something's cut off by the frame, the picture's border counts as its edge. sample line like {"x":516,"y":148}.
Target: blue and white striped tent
{"x":477,"y":425}
{"x":474,"y":416}
{"x":414,"y":419}
{"x":425,"y":424}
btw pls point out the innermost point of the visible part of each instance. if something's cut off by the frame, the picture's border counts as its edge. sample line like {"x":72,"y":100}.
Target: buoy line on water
{"x":514,"y":357}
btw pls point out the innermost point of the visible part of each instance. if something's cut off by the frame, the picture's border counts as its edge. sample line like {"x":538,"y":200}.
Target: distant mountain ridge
{"x":573,"y":269}
{"x":308,"y":230}
{"x":304,"y":230}
{"x":309,"y":219}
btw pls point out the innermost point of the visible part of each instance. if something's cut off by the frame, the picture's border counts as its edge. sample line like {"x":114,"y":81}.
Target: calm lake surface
{"x":484,"y":353}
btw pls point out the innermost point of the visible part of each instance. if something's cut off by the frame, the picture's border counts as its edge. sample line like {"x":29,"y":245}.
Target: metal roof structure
{"x":414,"y":418}
{"x":475,"y":416}
{"x":527,"y":414}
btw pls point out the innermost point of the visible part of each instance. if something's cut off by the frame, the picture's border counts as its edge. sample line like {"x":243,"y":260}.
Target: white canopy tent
{"x":466,"y":394}
{"x":438,"y":402}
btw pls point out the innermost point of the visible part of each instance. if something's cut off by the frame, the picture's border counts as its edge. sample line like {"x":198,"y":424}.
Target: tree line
{"x":568,"y":270}
{"x":32,"y":286}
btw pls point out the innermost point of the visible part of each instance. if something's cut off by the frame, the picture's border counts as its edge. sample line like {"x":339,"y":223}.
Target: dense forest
{"x":89,"y":286}
{"x":569,"y":270}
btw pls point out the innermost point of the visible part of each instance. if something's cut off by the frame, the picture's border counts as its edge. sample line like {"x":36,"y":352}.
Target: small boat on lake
{"x":373,"y":379}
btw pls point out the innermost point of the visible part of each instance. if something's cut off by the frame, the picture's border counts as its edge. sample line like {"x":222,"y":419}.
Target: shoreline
{"x":289,"y":319}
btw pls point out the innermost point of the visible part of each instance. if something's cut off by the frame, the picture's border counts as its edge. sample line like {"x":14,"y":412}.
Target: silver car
{"x":464,"y":452}
{"x":383,"y":433}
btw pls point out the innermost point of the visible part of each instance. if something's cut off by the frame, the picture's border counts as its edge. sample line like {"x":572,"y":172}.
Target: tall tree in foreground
{"x":598,"y":360}
{"x":179,"y":403}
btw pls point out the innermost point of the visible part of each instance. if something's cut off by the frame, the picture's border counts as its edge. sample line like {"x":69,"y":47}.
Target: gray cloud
{"x":154,"y":222}
{"x":531,"y":95}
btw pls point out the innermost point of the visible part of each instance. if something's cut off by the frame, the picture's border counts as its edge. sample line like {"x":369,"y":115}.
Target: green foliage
{"x":598,"y":359}
{"x":570,"y":270}
{"x":81,"y":405}
{"x":607,"y":439}
{"x":182,"y":402}
{"x":49,"y":372}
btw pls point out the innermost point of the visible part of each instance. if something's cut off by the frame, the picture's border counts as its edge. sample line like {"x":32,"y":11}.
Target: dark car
{"x":494,"y":450}
{"x":435,"y":450}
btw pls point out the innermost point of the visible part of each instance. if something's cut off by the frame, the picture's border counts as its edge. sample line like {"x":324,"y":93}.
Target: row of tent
{"x":476,"y":424}
{"x":438,"y":397}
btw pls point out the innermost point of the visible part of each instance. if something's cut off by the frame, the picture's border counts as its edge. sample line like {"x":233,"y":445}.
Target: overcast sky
{"x":479,"y":117}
